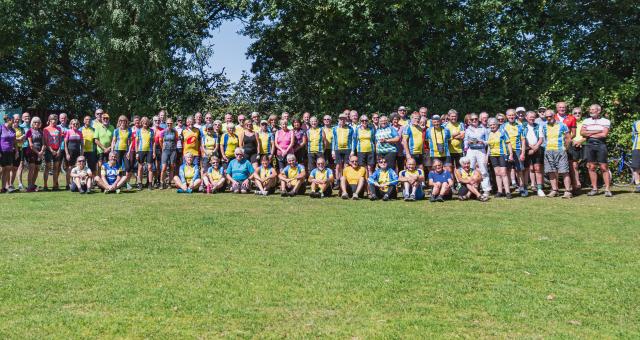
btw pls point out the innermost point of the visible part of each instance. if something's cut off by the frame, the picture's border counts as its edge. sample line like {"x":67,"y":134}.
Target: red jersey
{"x":53,"y":137}
{"x":569,"y":121}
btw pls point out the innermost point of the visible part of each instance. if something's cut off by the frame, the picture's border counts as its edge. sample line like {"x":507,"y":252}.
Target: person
{"x":188,"y":179}
{"x":423,"y":112}
{"x":137,"y":125}
{"x":413,"y":141}
{"x":541,"y":120}
{"x":162,"y":116}
{"x":342,"y":144}
{"x":534,"y":156}
{"x":292,"y":178}
{"x":364,"y":140}
{"x":197,"y":123}
{"x":383,"y":182}
{"x":145,"y":152}
{"x":103,"y":134}
{"x":229,"y":143}
{"x":35,"y":152}
{"x":386,"y":138}
{"x":169,"y":145}
{"x":273,"y":123}
{"x":285,"y":143}
{"x":81,"y":177}
{"x":306,"y":120}
{"x":8,"y":152}
{"x":157,"y":164}
{"x":267,"y":141}
{"x":556,"y":137}
{"x":576,"y":151}
{"x":179,"y":127}
{"x":17,"y":162}
{"x":500,"y":153}
{"x":110,"y":179}
{"x":53,"y":153}
{"x":570,"y":121}
{"x":121,"y":145}
{"x":73,"y":142}
{"x":240,"y":131}
{"x":400,"y":155}
{"x":596,"y":129}
{"x":456,"y":129}
{"x":353,"y":119}
{"x":375,"y":120}
{"x":238,"y":172}
{"x":440,"y":181}
{"x":515,"y":131}
{"x":250,"y":142}
{"x":228,"y":119}
{"x":214,"y":178}
{"x":402,"y":114}
{"x":635,"y":154}
{"x":300,"y":148}
{"x":190,"y":138}
{"x":484,"y":119}
{"x":412,"y":180}
{"x":321,"y":179}
{"x":316,"y":141}
{"x":353,"y":179}
{"x":255,"y":121}
{"x":89,"y":144}
{"x":475,"y":144}
{"x":208,"y":147}
{"x":327,"y":130}
{"x":438,"y":138}
{"x":469,"y":180}
{"x":24,"y":161}
{"x":265,"y":177}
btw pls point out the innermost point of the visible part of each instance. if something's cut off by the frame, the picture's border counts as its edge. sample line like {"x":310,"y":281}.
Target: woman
{"x":264,"y":178}
{"x":250,"y":142}
{"x":500,"y":153}
{"x":300,"y":142}
{"x":53,"y":153}
{"x":285,"y":142}
{"x":228,"y":144}
{"x":35,"y":152}
{"x":145,"y":152}
{"x":169,"y":146}
{"x":110,"y":179}
{"x":400,"y":156}
{"x":121,"y":143}
{"x":238,"y":173}
{"x":364,"y":141}
{"x":469,"y":180}
{"x":8,"y":152}
{"x":188,"y":179}
{"x":73,"y":142}
{"x":208,"y":147}
{"x":475,"y":145}
{"x":17,"y":162}
{"x":81,"y":177}
{"x":266,"y":142}
{"x":292,"y":178}
{"x":386,"y":141}
{"x":215,"y":177}
{"x":89,"y":144}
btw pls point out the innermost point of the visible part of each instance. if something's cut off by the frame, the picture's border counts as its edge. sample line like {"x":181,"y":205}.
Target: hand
{"x":522,"y":158}
{"x":138,"y":158}
{"x":68,"y":157}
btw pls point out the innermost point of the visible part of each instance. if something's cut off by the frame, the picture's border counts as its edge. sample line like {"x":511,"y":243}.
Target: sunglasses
{"x":382,"y":161}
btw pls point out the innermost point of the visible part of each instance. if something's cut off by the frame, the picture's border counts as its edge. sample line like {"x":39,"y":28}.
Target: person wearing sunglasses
{"x":353,"y":179}
{"x":321,"y":179}
{"x":364,"y":144}
{"x":534,"y":156}
{"x":412,"y":180}
{"x":500,"y":153}
{"x":440,"y":181}
{"x":475,"y":144}
{"x":327,"y":130}
{"x":556,"y":162}
{"x":168,"y":143}
{"x":413,"y":141}
{"x":382,"y":183}
{"x":122,"y":137}
{"x":188,"y":179}
{"x":292,"y":178}
{"x":81,"y":177}
{"x":316,"y":141}
{"x":342,"y":144}
{"x":110,"y":178}
{"x":53,"y":139}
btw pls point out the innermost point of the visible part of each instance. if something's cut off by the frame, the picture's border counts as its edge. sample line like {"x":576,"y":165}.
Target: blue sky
{"x":229,"y":50}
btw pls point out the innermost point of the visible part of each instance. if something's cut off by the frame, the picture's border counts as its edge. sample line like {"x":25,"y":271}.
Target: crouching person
{"x":469,"y":180}
{"x":110,"y":179}
{"x":321,"y":179}
{"x":382,"y":183}
{"x":81,"y":177}
{"x":292,"y":178}
{"x":188,"y":179}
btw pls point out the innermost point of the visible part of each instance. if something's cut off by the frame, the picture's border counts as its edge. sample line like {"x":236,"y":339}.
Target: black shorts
{"x":446,"y":161}
{"x":312,"y":159}
{"x":635,"y":160}
{"x":400,"y":160}
{"x":366,"y":158}
{"x":390,"y":157}
{"x":145,"y":157}
{"x":169,"y":157}
{"x":103,"y":157}
{"x":32,"y":157}
{"x":342,"y":156}
{"x":301,"y":156}
{"x":7,"y":158}
{"x":73,"y":157}
{"x":329,"y":159}
{"x":49,"y":157}
{"x":420,"y":159}
{"x":596,"y":153}
{"x":92,"y":160}
{"x":455,"y":160}
{"x":282,"y":161}
{"x":254,"y":158}
{"x":24,"y":154}
{"x":535,"y":158}
{"x":17,"y":160}
{"x":123,"y":161}
{"x":351,"y":188}
{"x":499,"y":161}
{"x":575,"y":154}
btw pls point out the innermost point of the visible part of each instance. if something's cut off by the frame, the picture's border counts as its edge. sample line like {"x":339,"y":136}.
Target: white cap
{"x":520,"y":109}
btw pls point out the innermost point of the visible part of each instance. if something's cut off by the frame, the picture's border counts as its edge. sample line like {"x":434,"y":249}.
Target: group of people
{"x":379,"y":158}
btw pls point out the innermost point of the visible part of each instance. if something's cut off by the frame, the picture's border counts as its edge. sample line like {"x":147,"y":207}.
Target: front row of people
{"x":239,"y":176}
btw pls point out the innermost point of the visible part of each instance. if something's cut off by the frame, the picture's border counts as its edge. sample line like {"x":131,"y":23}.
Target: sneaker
{"x":129,"y":187}
{"x":31,"y":189}
{"x":406,"y":197}
{"x":20,"y":186}
{"x":552,"y":194}
{"x":180,"y":191}
{"x":412,"y":197}
{"x":593,"y":192}
{"x":524,"y":192}
{"x":483,"y":198}
{"x":313,"y":194}
{"x":189,"y":191}
{"x":139,"y":186}
{"x":243,"y":191}
{"x":355,"y":197}
{"x":567,"y":194}
{"x":432,"y":199}
{"x":11,"y":189}
{"x":499,"y":194}
{"x":321,"y":195}
{"x":257,"y":192}
{"x":345,"y":196}
{"x":608,"y":193}
{"x":67,"y":187}
{"x":440,"y":198}
{"x":117,"y":191}
{"x":285,"y":194}
{"x":164,"y":186}
{"x":462,"y":198}
{"x":509,"y":196}
{"x":385,"y":197}
{"x":637,"y":191}
{"x":105,"y":192}
{"x":541,"y":193}
{"x":372,"y":197}
{"x":292,"y":193}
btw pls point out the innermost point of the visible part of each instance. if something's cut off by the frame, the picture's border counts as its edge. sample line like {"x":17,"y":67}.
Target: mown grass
{"x":163,"y":265}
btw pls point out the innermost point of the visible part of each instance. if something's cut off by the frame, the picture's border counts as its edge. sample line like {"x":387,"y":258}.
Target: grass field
{"x":163,"y":265}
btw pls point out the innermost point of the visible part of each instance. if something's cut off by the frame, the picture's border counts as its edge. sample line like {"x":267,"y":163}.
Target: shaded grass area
{"x":165,"y":265}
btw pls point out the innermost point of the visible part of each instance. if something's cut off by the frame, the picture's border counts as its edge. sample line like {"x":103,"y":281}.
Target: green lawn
{"x":163,"y":265}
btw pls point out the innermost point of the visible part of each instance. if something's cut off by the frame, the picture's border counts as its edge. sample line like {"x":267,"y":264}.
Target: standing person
{"x":191,"y":139}
{"x":228,"y":120}
{"x":103,"y":133}
{"x":353,"y":179}
{"x":214,"y":179}
{"x":400,"y":155}
{"x":321,"y":179}
{"x":386,"y":138}
{"x":240,"y":128}
{"x":484,"y":119}
{"x":413,"y":141}
{"x":576,"y":151}
{"x":412,"y":180}
{"x":353,"y":119}
{"x":475,"y":142}
{"x":188,"y":179}
{"x":169,"y":145}
{"x":17,"y":163}
{"x":89,"y":144}
{"x":273,"y":123}
{"x":469,"y":180}
{"x":64,"y":164}
{"x":239,"y":172}
{"x":208,"y":147}
{"x":228,"y":145}
{"x":265,"y":177}
{"x":316,"y":141}
{"x":25,"y":125}
{"x":145,"y":152}
{"x":121,"y":146}
{"x":292,"y":178}
{"x":179,"y":127}
{"x":81,"y":177}
{"x":439,"y":138}
{"x":97,"y":117}
{"x":53,"y":153}
{"x":440,"y":181}
{"x":8,"y":152}
{"x":456,"y":129}
{"x":570,"y":121}
{"x":327,"y":130}
{"x":110,"y":179}
{"x":556,"y":137}
{"x":162,"y":116}
{"x":402,"y":116}
{"x":635,"y":154}
{"x":35,"y":153}
{"x":255,"y":121}
{"x":285,"y":142}
{"x":73,"y":143}
{"x":423,"y":112}
{"x":383,"y":182}
{"x":500,"y":153}
{"x":364,"y":144}
{"x":157,"y":165}
{"x":515,"y":131}
{"x":250,"y":142}
{"x":197,"y":123}
{"x":375,"y":121}
{"x":534,"y":157}
{"x":596,"y":129}
{"x":342,"y":144}
{"x":300,"y":148}
{"x":267,"y":142}
{"x":306,"y":120}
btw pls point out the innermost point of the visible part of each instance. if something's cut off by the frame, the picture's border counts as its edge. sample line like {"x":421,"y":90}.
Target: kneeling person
{"x":382,"y":183}
{"x":292,"y":177}
{"x":188,"y":179}
{"x":321,"y":179}
{"x":264,"y":178}
{"x":412,"y":180}
{"x":110,"y":179}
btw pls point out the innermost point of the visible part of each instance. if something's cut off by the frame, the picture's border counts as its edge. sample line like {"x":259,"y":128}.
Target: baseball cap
{"x":255,"y":114}
{"x":520,"y":109}
{"x":402,"y":108}
{"x":263,"y":122}
{"x":542,"y":108}
{"x":343,"y":116}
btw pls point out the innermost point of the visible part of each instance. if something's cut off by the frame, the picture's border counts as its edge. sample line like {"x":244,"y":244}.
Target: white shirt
{"x":599,"y":124}
{"x":532,"y":139}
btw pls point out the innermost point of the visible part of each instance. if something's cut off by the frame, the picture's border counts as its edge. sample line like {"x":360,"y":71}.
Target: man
{"x":635,"y":154}
{"x":239,"y":172}
{"x":353,"y":119}
{"x":162,"y":116}
{"x":382,"y":183}
{"x":97,"y":117}
{"x":64,"y":126}
{"x":315,"y":143}
{"x":402,"y":114}
{"x":439,"y":138}
{"x":387,"y":138}
{"x":292,"y":178}
{"x":521,"y":115}
{"x":321,"y":179}
{"x":576,"y":151}
{"x":197,"y":120}
{"x":476,"y":139}
{"x":306,"y":120}
{"x":534,"y":156}
{"x":571,"y":123}
{"x":179,"y":127}
{"x":456,"y":129}
{"x":375,"y":120}
{"x":25,"y":125}
{"x":81,"y":177}
{"x":110,"y":179}
{"x":240,"y":125}
{"x":484,"y":119}
{"x":228,"y":120}
{"x":596,"y":129}
{"x":412,"y":180}
{"x":103,"y":135}
{"x":364,"y":144}
{"x":327,"y":130}
{"x":440,"y":181}
{"x":265,"y":177}
{"x":342,"y":144}
{"x":424,"y":112}
{"x":191,"y":139}
{"x":413,"y":141}
{"x":556,"y":137}
{"x":255,"y":120}
{"x":469,"y":180}
{"x":353,"y":179}
{"x":515,"y":132}
{"x":541,"y":120}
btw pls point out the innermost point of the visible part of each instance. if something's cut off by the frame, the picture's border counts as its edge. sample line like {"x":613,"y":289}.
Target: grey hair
{"x":291,"y":156}
{"x":465,"y":160}
{"x":238,"y":151}
{"x":492,"y":120}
